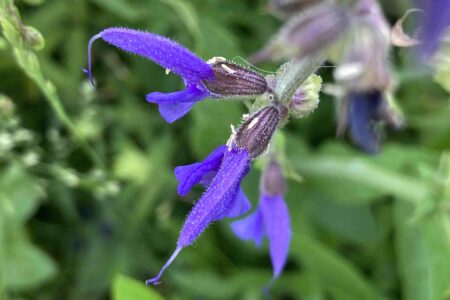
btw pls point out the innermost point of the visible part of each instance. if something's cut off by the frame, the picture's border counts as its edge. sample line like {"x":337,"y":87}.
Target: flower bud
{"x":234,"y":81}
{"x":255,"y":133}
{"x":305,"y":99}
{"x":272,"y":181}
{"x":33,"y":38}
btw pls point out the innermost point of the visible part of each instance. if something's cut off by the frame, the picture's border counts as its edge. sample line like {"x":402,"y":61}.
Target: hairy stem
{"x":294,"y":74}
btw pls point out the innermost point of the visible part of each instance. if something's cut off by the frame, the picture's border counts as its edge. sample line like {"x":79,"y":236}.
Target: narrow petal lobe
{"x":192,"y":174}
{"x":278,"y":228}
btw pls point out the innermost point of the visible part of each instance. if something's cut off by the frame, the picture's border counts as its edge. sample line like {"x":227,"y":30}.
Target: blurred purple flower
{"x":271,"y":219}
{"x":169,"y":55}
{"x":364,"y":116}
{"x":436,"y":21}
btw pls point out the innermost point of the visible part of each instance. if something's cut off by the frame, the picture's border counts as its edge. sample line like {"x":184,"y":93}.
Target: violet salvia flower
{"x":271,"y":218}
{"x":364,"y":116}
{"x":365,"y":76}
{"x":436,"y":22}
{"x":222,"y":172}
{"x":199,"y":76}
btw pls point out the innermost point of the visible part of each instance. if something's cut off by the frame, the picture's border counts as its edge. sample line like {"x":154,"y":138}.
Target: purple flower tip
{"x":155,"y":280}
{"x":88,"y":71}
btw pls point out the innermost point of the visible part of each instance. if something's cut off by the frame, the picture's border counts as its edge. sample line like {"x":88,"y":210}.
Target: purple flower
{"x":169,"y":55}
{"x":436,"y":21}
{"x":221,"y":173}
{"x":199,"y":76}
{"x":223,"y":197}
{"x":364,"y":116}
{"x":271,"y":219}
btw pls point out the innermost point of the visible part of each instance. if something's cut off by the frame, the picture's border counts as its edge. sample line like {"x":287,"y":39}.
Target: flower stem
{"x":294,"y":74}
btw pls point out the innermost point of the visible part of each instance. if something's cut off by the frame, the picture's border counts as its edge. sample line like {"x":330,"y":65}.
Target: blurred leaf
{"x":361,"y":172}
{"x":216,"y":40}
{"x":187,"y":14}
{"x":20,"y":191}
{"x":121,"y":8}
{"x":335,"y":273}
{"x":423,"y":255}
{"x":126,"y":288}
{"x":442,"y":65}
{"x":132,"y":164}
{"x":351,"y":222}
{"x":211,"y":125}
{"x":26,"y":265}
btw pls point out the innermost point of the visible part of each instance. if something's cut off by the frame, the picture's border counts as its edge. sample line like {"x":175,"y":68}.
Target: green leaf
{"x":355,"y":223}
{"x":211,"y":125}
{"x":187,"y":14}
{"x":20,"y":193}
{"x":223,"y":44}
{"x":423,"y":255}
{"x":120,"y":8}
{"x":26,"y":265}
{"x":360,"y":172}
{"x":334,"y":273}
{"x":126,"y":288}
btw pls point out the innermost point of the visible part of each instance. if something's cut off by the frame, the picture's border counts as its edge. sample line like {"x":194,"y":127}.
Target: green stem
{"x":28,"y":62}
{"x":294,"y":74}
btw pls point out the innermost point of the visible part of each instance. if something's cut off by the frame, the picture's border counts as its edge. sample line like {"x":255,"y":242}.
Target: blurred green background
{"x":88,"y":202}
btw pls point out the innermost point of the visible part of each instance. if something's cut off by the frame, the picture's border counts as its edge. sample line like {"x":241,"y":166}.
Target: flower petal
{"x":250,"y":228}
{"x":278,"y":228}
{"x":363,"y":111}
{"x":192,"y":93}
{"x":163,"y":51}
{"x":172,"y":112}
{"x":173,"y":106}
{"x":436,"y":22}
{"x":192,"y":174}
{"x":240,"y":205}
{"x":218,"y":197}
